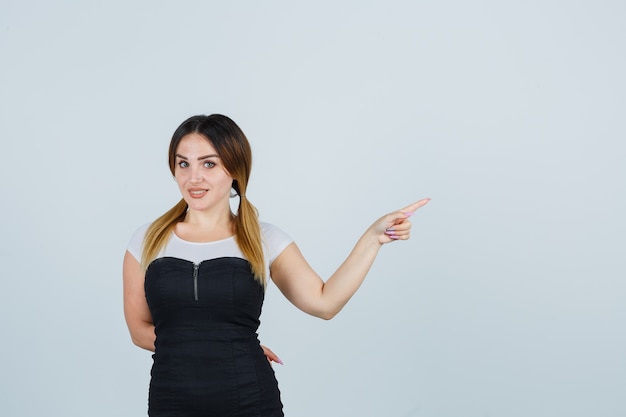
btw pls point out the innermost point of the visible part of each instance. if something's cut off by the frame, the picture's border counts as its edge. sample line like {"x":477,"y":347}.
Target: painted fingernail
{"x":408,"y":213}
{"x":391,"y":229}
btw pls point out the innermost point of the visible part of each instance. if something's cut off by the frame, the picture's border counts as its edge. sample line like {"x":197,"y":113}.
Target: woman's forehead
{"x":195,"y":143}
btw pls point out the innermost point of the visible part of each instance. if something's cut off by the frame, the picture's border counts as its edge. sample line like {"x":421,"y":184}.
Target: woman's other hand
{"x":271,"y":356}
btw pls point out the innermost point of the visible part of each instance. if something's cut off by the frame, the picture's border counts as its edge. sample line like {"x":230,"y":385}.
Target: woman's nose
{"x":196,"y":175}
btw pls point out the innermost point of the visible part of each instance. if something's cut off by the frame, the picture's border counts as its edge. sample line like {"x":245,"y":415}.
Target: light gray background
{"x":509,"y":300}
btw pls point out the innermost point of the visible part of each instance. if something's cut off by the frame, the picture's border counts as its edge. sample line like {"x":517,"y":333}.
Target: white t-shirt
{"x":274,"y":242}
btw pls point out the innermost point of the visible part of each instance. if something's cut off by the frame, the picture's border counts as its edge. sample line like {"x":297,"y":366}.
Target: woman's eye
{"x":209,"y":164}
{"x":183,"y":164}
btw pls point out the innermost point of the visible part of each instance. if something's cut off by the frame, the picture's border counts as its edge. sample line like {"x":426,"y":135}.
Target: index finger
{"x":411,"y":208}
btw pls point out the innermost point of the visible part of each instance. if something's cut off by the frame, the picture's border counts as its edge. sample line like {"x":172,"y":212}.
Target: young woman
{"x":194,"y":280}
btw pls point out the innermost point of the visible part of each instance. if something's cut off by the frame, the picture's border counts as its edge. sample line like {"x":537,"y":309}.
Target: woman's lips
{"x":198,"y":193}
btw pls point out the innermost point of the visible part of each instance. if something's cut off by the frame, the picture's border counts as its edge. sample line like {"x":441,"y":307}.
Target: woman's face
{"x":201,"y":177}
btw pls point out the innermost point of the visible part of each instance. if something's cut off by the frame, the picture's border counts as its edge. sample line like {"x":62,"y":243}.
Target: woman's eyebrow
{"x":208,"y":156}
{"x":200,"y":158}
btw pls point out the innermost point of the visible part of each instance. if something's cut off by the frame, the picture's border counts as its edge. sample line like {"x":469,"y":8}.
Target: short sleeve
{"x":275,"y":239}
{"x":135,"y":245}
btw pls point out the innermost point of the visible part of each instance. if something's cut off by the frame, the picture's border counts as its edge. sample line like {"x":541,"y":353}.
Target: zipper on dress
{"x":195,"y":281}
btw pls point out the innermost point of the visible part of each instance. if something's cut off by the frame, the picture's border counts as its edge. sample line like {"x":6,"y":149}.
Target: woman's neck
{"x":206,"y":227}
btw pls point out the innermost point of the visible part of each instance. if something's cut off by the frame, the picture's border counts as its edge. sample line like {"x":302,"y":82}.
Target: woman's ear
{"x":235,"y":191}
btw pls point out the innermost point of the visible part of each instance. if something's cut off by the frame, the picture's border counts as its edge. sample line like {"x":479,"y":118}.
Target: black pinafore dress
{"x":208,"y":361}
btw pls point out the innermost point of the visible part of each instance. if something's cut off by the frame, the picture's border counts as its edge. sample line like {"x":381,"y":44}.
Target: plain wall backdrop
{"x":509,"y":300}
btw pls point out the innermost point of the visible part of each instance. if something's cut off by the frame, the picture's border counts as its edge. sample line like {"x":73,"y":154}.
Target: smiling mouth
{"x":198,"y":193}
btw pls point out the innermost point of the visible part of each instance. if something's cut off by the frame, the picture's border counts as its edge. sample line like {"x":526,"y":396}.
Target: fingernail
{"x":408,"y":213}
{"x":391,"y":229}
{"x":279,"y":361}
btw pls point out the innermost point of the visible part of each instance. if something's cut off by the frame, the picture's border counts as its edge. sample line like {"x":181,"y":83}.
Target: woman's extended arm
{"x":307,"y":291}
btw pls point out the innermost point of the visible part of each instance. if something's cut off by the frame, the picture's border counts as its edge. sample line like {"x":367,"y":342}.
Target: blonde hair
{"x":234,"y":150}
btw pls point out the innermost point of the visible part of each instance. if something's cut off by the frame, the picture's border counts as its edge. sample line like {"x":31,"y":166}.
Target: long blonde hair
{"x":234,"y":150}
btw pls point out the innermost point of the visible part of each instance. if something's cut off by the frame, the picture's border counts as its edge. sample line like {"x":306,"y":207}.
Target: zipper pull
{"x":195,"y":281}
